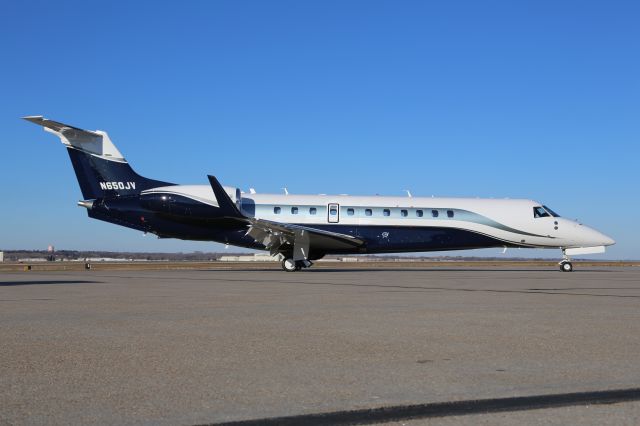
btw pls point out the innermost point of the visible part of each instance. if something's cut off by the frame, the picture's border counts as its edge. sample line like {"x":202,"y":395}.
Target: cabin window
{"x":333,"y":211}
{"x":350,"y":212}
{"x":540,"y":212}
{"x":277,"y":210}
{"x":434,"y":213}
{"x":404,"y":213}
{"x":313,"y":210}
{"x":419,"y":213}
{"x":368,"y":212}
{"x":449,"y":213}
{"x":294,"y":210}
{"x":386,"y":212}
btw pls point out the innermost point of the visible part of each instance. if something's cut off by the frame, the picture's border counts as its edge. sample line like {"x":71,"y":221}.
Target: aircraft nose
{"x":607,"y":241}
{"x":598,"y":238}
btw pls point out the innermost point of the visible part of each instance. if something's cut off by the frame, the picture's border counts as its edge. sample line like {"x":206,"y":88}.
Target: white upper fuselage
{"x":509,"y":220}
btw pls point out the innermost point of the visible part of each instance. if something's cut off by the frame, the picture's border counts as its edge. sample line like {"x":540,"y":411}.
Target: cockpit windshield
{"x":540,"y":212}
{"x":551,"y":212}
{"x":544,"y":211}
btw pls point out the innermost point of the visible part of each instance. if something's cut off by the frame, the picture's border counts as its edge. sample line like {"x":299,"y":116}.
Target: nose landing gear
{"x":565,"y":263}
{"x":566,"y":266}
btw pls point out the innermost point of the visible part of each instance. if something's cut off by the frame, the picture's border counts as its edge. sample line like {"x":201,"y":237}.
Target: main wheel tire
{"x":289,"y":265}
{"x":566,"y":267}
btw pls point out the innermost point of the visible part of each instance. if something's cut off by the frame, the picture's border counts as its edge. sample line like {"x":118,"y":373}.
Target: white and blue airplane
{"x":304,"y":228}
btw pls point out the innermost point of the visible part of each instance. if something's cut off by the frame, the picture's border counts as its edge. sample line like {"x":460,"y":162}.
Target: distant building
{"x":1,"y":256}
{"x":105,"y":259}
{"x":348,"y":259}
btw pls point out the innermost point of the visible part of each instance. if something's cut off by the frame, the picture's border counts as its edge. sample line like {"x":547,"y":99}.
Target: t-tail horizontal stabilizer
{"x":94,"y":142}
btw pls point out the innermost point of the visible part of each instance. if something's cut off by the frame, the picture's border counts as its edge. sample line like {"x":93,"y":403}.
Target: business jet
{"x":303,"y":228}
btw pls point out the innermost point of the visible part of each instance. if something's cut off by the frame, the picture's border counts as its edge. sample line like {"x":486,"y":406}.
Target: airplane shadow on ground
{"x":331,"y":270}
{"x":45,"y":282}
{"x":298,"y":280}
{"x":401,"y":413}
{"x":320,"y":270}
{"x":551,"y":270}
{"x":554,"y":292}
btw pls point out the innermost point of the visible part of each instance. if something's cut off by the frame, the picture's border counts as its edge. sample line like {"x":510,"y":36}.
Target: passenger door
{"x":333,"y":213}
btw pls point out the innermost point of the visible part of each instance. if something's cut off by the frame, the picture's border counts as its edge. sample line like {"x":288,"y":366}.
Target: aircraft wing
{"x":278,"y":236}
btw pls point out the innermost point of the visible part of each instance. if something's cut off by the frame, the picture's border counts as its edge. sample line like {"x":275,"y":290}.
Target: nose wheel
{"x":565,"y":264}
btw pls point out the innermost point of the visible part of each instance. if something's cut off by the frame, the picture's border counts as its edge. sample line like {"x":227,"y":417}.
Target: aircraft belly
{"x":381,"y":239}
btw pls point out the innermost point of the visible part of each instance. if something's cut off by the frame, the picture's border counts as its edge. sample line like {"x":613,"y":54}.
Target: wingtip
{"x":33,"y":118}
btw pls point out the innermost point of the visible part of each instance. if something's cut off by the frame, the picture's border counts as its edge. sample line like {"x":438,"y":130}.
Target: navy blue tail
{"x":100,"y":178}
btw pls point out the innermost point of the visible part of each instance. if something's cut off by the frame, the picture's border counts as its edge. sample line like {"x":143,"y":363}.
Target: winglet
{"x":225,"y":202}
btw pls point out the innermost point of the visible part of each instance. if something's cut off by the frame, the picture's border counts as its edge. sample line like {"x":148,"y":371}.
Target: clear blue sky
{"x":536,"y":99}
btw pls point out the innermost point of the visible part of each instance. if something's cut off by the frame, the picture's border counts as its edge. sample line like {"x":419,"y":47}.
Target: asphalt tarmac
{"x":213,"y":346}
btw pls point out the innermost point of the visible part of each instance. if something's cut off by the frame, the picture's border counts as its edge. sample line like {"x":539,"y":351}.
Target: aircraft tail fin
{"x":101,"y":169}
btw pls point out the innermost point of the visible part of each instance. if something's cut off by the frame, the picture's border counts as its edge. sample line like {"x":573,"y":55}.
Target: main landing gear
{"x":290,"y":265}
{"x":565,"y":263}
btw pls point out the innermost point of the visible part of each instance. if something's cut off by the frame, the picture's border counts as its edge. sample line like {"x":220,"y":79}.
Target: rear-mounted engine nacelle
{"x":235,"y":194}
{"x":183,"y":205}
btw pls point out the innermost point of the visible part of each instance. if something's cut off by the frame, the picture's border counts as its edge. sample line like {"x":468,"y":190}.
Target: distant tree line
{"x":61,"y":255}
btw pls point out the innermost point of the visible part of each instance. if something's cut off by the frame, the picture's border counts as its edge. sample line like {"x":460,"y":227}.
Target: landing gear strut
{"x":290,"y":265}
{"x":565,"y":263}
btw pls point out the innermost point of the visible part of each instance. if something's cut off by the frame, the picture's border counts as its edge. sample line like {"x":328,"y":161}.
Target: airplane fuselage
{"x":387,"y":224}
